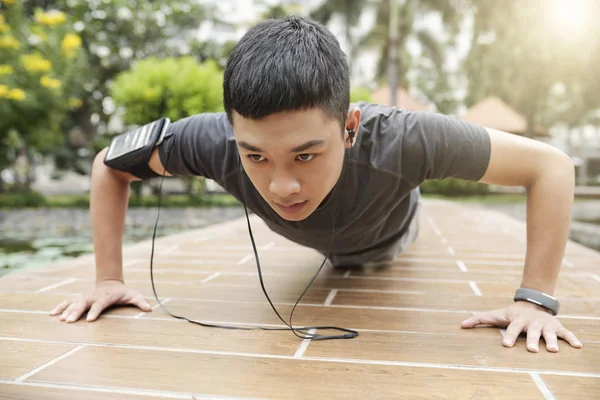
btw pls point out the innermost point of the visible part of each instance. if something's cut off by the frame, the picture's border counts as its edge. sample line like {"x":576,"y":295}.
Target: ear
{"x":352,"y":125}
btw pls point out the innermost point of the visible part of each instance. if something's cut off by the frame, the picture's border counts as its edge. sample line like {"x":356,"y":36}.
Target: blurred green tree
{"x":41,"y":70}
{"x":170,"y":87}
{"x":536,"y":63}
{"x":350,"y":11}
{"x":432,"y":77}
{"x":114,"y":34}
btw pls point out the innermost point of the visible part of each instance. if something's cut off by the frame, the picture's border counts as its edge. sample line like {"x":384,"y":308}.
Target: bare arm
{"x":108,"y":206}
{"x":549,"y":178}
{"x":109,"y":197}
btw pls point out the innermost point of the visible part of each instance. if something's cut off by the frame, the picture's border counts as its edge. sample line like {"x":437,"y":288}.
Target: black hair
{"x":287,"y":64}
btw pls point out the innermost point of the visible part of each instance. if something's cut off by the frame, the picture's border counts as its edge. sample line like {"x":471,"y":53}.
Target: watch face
{"x":130,"y":141}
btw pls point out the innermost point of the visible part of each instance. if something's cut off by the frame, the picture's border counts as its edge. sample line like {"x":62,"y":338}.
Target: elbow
{"x":101,"y":169}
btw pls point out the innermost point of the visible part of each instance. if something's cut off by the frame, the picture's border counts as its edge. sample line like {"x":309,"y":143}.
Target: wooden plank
{"x":42,"y":392}
{"x":147,"y":332}
{"x":210,"y":291}
{"x":354,"y":318}
{"x":18,"y":358}
{"x":410,"y":320}
{"x":223,"y":375}
{"x":457,"y":350}
{"x":571,"y":387}
{"x":30,"y":283}
{"x":569,"y":306}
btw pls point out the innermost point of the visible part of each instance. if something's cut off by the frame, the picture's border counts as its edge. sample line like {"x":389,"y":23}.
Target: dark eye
{"x":306,"y":157}
{"x":256,"y":157}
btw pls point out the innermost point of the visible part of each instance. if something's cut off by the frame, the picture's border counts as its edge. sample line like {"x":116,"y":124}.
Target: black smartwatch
{"x":131,"y":151}
{"x":543,"y":300}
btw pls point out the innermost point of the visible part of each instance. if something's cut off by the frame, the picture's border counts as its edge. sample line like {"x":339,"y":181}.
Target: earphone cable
{"x":306,"y":335}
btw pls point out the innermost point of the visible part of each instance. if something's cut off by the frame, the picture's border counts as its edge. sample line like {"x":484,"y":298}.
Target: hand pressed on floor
{"x":106,"y":294}
{"x":525,"y":317}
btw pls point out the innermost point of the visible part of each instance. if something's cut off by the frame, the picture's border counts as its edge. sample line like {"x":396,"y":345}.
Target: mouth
{"x":292,"y":207}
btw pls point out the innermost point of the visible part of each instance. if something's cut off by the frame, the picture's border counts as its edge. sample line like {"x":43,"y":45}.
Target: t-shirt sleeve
{"x":202,"y":145}
{"x":438,"y":146}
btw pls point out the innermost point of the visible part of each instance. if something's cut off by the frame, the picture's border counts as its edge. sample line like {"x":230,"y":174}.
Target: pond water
{"x":35,"y":237}
{"x":29,"y":238}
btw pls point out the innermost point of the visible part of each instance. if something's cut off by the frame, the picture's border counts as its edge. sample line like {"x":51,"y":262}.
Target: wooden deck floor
{"x":408,"y":315}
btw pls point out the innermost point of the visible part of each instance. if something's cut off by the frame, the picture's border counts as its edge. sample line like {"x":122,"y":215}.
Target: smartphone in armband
{"x":131,"y":151}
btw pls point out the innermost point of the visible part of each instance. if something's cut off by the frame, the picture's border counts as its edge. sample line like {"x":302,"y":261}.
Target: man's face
{"x":293,"y":158}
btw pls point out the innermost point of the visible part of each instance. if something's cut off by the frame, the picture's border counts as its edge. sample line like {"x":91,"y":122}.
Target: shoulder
{"x":203,"y":123}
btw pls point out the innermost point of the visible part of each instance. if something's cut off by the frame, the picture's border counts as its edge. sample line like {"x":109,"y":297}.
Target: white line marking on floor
{"x":245,"y":259}
{"x":54,"y":286}
{"x":211,"y":277}
{"x":268,"y":245}
{"x":568,"y":263}
{"x":461,"y":265}
{"x":333,"y":360}
{"x":200,"y":239}
{"x":596,"y":277}
{"x":347,"y":274}
{"x":304,"y":345}
{"x":330,"y":297}
{"x":154,"y":307}
{"x":169,"y":249}
{"x":120,"y":390}
{"x":475,"y":288}
{"x":417,"y":309}
{"x":131,"y":262}
{"x":451,"y":250}
{"x":434,"y":226}
{"x":49,"y":363}
{"x":444,"y":240}
{"x":542,"y":386}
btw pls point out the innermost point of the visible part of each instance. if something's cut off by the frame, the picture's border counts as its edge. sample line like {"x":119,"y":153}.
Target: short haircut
{"x":287,"y":64}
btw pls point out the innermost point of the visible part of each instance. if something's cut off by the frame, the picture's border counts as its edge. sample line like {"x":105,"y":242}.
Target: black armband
{"x":130,"y":151}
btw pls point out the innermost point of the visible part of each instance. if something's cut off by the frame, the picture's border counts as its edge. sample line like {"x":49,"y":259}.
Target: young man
{"x":291,"y":146}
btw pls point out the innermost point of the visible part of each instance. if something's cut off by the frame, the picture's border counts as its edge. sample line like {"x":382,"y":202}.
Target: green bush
{"x":454,"y":187}
{"x":360,"y":93}
{"x":22,"y":200}
{"x":170,"y":87}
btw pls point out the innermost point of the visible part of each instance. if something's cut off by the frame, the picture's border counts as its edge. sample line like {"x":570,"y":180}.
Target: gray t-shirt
{"x":377,"y":193}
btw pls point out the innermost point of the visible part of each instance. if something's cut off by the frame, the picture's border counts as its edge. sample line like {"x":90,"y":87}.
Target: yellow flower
{"x":50,"y":83}
{"x":50,"y":18}
{"x":8,"y":42}
{"x":35,"y":63}
{"x":4,"y":28}
{"x":75,"y":103}
{"x":16,"y":94}
{"x":3,"y":90}
{"x":6,"y":69}
{"x":69,"y":44}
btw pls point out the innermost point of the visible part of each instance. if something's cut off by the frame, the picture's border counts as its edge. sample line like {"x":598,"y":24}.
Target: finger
{"x":551,"y":340}
{"x":75,"y":310}
{"x":140,"y":302}
{"x":488,"y":318}
{"x":60,"y":308}
{"x":569,"y":337}
{"x":97,"y":307}
{"x":533,"y":338}
{"x":512,"y":333}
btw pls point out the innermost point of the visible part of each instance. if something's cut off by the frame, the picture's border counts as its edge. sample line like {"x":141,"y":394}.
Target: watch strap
{"x":541,"y":299}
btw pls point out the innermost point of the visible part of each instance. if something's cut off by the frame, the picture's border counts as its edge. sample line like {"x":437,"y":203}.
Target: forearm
{"x":549,"y":204}
{"x":108,"y":206}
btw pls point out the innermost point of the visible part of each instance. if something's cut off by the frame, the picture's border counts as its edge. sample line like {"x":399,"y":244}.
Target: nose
{"x":283,"y":185}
